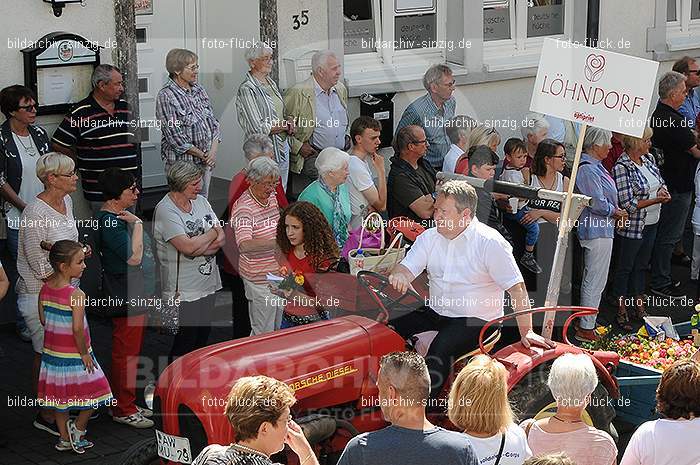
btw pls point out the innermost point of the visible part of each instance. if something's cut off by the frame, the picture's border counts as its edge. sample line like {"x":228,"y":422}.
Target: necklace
{"x":551,"y":187}
{"x":567,"y":421}
{"x":30,"y":150}
{"x":250,"y":450}
{"x":264,"y":205}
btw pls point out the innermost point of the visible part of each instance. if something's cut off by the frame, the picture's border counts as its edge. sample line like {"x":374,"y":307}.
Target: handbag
{"x":409,"y":228}
{"x":360,"y":238}
{"x":167,"y":315}
{"x":118,"y":292}
{"x":380,"y":260}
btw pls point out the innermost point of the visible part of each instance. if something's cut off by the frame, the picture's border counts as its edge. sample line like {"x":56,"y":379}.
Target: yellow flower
{"x":299,"y":279}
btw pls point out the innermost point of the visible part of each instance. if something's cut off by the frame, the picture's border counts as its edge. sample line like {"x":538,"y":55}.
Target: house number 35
{"x":304,"y":19}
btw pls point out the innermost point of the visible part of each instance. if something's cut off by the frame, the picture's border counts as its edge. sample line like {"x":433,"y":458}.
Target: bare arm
{"x":9,"y":194}
{"x":423,"y":206}
{"x":401,"y":278}
{"x":64,"y":150}
{"x":217,"y":244}
{"x":194,"y":246}
{"x":521,"y":301}
{"x":256,"y":246}
{"x":78,"y":306}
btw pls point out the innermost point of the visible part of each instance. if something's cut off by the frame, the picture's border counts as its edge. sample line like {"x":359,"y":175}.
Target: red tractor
{"x":332,"y":367}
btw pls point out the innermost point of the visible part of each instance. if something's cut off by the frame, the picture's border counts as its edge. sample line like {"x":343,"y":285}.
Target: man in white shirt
{"x":365,"y":195}
{"x":458,"y":130}
{"x":469,"y":266}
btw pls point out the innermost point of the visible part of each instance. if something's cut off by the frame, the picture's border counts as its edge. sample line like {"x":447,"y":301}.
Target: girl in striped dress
{"x":70,"y":377}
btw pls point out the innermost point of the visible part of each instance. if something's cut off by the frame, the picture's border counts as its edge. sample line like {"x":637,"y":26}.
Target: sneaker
{"x":586,"y":335}
{"x":44,"y":425}
{"x":670,"y":291}
{"x":147,"y":413}
{"x":136,"y":420}
{"x":75,"y":436}
{"x":63,"y":445}
{"x":529,"y":262}
{"x":84,"y":443}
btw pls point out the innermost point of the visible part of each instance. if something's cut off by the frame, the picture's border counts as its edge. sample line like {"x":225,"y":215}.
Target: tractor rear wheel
{"x":142,"y":453}
{"x":532,"y":398}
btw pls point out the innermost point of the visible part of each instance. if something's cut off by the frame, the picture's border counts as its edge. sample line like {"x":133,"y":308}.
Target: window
{"x":682,"y":24}
{"x":515,"y":29}
{"x":360,"y":26}
{"x":375,"y":42}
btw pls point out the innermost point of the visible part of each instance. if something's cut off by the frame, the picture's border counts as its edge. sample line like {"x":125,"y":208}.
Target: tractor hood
{"x":326,"y":363}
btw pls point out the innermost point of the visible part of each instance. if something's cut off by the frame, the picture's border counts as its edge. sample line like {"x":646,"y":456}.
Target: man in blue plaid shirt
{"x":432,"y":110}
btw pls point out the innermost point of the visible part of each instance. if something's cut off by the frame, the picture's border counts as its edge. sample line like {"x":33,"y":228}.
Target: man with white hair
{"x":404,"y":387}
{"x":97,"y":134}
{"x":677,"y":140}
{"x":318,"y":107}
{"x":469,"y":265}
{"x":432,"y":112}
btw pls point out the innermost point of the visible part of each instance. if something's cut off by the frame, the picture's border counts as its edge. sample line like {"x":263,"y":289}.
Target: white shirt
{"x":31,"y":186}
{"x":359,"y":179}
{"x":515,"y":450}
{"x":695,"y":220}
{"x":653,"y":211}
{"x":450,"y":162}
{"x":467,"y":274}
{"x":331,"y":119}
{"x":664,"y":442}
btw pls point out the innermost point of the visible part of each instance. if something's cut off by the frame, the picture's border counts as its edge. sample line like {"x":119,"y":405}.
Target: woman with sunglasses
{"x":21,"y":145}
{"x":46,"y":219}
{"x":190,"y":129}
{"x":120,"y":243}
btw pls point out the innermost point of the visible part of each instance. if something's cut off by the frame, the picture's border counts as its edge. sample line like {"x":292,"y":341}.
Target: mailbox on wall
{"x":58,"y":68}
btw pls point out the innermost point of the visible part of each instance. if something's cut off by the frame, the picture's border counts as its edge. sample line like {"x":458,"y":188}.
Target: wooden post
{"x":124,"y":55}
{"x":562,"y":243}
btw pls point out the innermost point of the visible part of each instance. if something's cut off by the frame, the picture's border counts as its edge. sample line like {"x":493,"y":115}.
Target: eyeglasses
{"x":419,"y":142}
{"x":559,"y":156}
{"x":270,"y":183}
{"x":192,"y":67}
{"x":449,"y":84}
{"x":265,"y":58}
{"x":31,"y":107}
{"x":134,"y":188}
{"x":67,"y":175}
{"x":694,"y":71}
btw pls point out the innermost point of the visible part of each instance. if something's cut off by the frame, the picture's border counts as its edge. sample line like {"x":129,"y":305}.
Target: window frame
{"x":684,"y":32}
{"x":522,"y":51}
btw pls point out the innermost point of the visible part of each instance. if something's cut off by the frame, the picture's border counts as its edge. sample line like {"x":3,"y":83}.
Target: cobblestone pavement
{"x":27,"y":445}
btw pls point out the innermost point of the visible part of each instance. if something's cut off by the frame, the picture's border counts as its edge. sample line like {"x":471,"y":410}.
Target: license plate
{"x":173,"y":448}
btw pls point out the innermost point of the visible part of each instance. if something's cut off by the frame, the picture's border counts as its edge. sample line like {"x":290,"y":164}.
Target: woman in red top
{"x":307,"y":245}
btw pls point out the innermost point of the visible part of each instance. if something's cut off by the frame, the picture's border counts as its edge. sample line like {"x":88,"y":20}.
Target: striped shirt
{"x":101,"y":141}
{"x":187,"y":120}
{"x":251,"y":221}
{"x":257,"y":113}
{"x":40,"y":222}
{"x":424,"y":113}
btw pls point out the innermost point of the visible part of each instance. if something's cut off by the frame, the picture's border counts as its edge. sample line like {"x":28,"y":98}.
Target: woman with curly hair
{"x":307,"y":244}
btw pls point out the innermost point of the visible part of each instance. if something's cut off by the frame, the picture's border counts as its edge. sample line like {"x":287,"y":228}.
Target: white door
{"x":172,"y":25}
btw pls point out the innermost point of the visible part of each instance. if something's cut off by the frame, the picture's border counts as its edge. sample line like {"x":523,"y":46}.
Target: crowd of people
{"x":303,"y":192}
{"x":259,"y":411}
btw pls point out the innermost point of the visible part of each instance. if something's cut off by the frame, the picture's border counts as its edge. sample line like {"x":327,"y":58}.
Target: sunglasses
{"x":32,"y":107}
{"x":694,"y":71}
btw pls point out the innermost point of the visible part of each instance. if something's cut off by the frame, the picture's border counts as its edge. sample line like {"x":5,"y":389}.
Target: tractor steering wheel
{"x":386,"y":297}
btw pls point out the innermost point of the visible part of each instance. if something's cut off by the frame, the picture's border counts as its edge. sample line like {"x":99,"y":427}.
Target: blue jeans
{"x":631,"y":263}
{"x":669,"y":232}
{"x":532,"y":230}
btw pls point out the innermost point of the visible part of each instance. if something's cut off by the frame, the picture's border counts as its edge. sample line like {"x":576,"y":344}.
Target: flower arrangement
{"x":658,"y":354}
{"x":291,"y":279}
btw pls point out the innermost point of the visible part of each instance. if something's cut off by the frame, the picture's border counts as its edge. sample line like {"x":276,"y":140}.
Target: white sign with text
{"x":593,"y":86}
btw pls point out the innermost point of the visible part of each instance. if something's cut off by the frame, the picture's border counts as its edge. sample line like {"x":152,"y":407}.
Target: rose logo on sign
{"x":595,"y":65}
{"x":65,"y":51}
